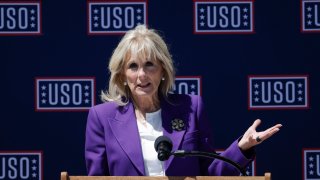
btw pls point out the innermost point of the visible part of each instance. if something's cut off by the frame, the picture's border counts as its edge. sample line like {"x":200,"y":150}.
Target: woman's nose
{"x":141,"y":72}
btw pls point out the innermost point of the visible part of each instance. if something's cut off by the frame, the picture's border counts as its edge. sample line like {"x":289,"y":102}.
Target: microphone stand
{"x":183,"y":153}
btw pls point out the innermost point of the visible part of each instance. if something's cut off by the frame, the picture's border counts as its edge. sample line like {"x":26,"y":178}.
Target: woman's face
{"x":143,"y":76}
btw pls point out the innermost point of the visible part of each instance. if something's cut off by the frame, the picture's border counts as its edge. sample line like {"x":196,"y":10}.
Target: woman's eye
{"x":133,"y":66}
{"x":149,"y":63}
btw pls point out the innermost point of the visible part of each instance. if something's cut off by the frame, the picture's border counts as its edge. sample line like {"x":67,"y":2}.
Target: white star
{"x":32,"y":25}
{"x":245,"y":16}
{"x":193,"y":93}
{"x":138,"y":23}
{"x":43,"y":87}
{"x":311,"y":165}
{"x":34,"y":175}
{"x":256,"y":92}
{"x":299,"y":85}
{"x":193,"y":86}
{"x":32,"y":18}
{"x":202,"y":24}
{"x":138,"y":10}
{"x":311,"y":172}
{"x":32,"y":11}
{"x":139,"y":17}
{"x":309,"y":22}
{"x":95,"y":11}
{"x":34,"y":168}
{"x":86,"y":87}
{"x":247,"y":172}
{"x":300,"y":99}
{"x":43,"y":94}
{"x":86,"y":101}
{"x":86,"y":94}
{"x":256,"y":85}
{"x":245,"y":23}
{"x":96,"y":24}
{"x":245,"y":10}
{"x":34,"y":161}
{"x":309,"y":15}
{"x":96,"y":18}
{"x":202,"y":17}
{"x":309,"y":8}
{"x":43,"y":101}
{"x":299,"y":92}
{"x":202,"y":10}
{"x":311,"y":158}
{"x":256,"y":99}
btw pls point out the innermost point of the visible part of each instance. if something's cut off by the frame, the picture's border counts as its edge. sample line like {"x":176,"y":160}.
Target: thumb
{"x":256,"y":123}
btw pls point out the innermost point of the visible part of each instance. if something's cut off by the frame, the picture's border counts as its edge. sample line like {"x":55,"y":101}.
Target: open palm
{"x":252,"y":138}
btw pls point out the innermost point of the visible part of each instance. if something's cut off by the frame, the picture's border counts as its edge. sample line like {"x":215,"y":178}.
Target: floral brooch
{"x":177,"y":124}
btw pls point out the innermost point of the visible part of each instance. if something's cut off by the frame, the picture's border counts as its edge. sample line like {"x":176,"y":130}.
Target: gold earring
{"x":125,"y":83}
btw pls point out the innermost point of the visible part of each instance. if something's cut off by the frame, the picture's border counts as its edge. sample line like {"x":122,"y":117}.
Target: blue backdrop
{"x":248,"y":59}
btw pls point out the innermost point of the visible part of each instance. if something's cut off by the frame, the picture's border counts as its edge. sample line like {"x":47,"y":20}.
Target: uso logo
{"x":310,"y":19}
{"x":311,"y":164}
{"x":187,"y":85}
{"x":71,"y":94}
{"x":223,"y":17}
{"x":20,"y":18}
{"x":278,"y":92}
{"x":21,"y":165}
{"x":251,"y":168}
{"x":115,"y":17}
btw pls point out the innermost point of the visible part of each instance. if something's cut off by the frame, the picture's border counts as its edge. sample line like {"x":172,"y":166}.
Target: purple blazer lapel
{"x":125,"y":129}
{"x":170,"y":112}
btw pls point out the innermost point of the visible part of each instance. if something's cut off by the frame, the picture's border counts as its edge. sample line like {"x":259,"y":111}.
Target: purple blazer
{"x":113,"y":144}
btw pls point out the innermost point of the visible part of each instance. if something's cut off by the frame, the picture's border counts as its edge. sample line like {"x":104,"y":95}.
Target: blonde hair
{"x":146,"y":43}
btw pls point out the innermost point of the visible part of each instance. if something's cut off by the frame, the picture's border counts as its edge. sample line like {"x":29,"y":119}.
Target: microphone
{"x":163,"y":146}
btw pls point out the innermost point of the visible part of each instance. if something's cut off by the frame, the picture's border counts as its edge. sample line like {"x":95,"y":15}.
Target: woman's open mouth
{"x":144,"y":85}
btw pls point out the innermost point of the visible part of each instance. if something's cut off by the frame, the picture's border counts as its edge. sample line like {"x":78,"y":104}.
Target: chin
{"x":144,"y":94}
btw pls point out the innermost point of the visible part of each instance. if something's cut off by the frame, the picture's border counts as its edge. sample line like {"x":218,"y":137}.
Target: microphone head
{"x":162,"y":139}
{"x":163,"y":146}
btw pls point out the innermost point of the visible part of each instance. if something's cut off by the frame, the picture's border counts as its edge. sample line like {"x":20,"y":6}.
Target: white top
{"x":149,"y":130}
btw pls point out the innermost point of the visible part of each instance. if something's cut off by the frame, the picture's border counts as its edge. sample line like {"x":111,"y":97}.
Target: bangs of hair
{"x":142,"y":48}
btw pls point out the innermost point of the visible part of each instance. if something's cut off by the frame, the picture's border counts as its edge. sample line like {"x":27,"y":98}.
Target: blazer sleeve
{"x":95,"y":152}
{"x":233,"y":152}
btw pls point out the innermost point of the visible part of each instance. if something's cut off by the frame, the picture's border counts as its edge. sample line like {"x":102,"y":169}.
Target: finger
{"x":268,"y":133}
{"x":273,"y":131}
{"x":278,"y":125}
{"x":274,"y":127}
{"x":262,"y":136}
{"x":256,"y":123}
